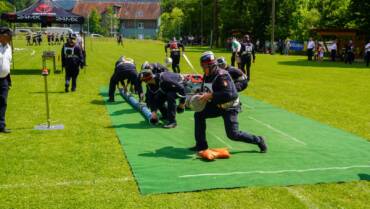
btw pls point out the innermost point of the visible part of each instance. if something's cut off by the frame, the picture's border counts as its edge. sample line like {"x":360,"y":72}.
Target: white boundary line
{"x":66,"y":183}
{"x":278,"y":131}
{"x":274,"y":172}
{"x":309,"y":204}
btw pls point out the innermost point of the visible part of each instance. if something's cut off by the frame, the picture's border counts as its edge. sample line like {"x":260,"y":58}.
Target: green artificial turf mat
{"x":301,"y":151}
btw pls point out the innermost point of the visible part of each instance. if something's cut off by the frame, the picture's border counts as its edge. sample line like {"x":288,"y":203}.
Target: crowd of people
{"x":35,"y":39}
{"x":316,"y":51}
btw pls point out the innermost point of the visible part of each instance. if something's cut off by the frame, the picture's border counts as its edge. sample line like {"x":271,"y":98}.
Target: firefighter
{"x":175,"y":48}
{"x":247,"y":53}
{"x":239,"y":78}
{"x":221,"y":98}
{"x":164,"y":88}
{"x":72,"y":61}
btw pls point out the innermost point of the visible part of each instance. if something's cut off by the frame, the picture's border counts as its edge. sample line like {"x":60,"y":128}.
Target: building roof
{"x":127,"y":10}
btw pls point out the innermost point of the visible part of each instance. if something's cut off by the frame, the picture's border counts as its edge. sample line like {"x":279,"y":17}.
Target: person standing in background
{"x":367,"y":53}
{"x":333,"y":52}
{"x":235,"y":47}
{"x":5,"y":81}
{"x":310,"y":49}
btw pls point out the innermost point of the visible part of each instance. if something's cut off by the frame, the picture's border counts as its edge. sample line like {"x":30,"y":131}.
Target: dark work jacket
{"x":247,"y":50}
{"x":128,"y":71}
{"x":166,"y":82}
{"x":72,"y":56}
{"x":223,"y":87}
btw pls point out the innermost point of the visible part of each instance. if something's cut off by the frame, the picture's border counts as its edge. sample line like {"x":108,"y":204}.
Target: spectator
{"x":333,"y":52}
{"x":350,"y":55}
{"x":367,"y":53}
{"x":310,"y":49}
{"x":286,"y":46}
{"x":5,"y":81}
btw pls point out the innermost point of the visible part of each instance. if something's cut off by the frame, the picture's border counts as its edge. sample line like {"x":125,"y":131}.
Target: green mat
{"x":301,"y":151}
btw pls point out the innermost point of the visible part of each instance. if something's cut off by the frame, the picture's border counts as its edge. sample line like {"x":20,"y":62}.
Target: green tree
{"x":109,"y":22}
{"x":171,"y":24}
{"x":95,"y":21}
{"x":360,"y":14}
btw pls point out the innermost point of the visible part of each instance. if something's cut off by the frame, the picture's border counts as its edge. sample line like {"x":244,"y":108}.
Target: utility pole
{"x":273,"y":27}
{"x":201,"y":22}
{"x":88,"y":23}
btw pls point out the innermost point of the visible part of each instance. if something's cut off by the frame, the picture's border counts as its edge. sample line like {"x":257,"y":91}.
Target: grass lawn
{"x":83,"y":166}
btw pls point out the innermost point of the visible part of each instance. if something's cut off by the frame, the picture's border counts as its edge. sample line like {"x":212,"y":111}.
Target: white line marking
{"x":278,"y":131}
{"x":302,"y":198}
{"x":218,"y":138}
{"x":274,"y":172}
{"x":222,"y":141}
{"x":90,"y":182}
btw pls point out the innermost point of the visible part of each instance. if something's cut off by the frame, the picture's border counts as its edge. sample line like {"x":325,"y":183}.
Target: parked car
{"x":95,"y":35}
{"x":22,"y":31}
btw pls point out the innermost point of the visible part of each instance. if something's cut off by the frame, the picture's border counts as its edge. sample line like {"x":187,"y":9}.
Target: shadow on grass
{"x":364,"y":176}
{"x":328,"y":64}
{"x":140,"y":125}
{"x":123,"y":112}
{"x":170,"y":152}
{"x":102,"y":102}
{"x":243,"y":152}
{"x":50,"y":92}
{"x":26,"y":72}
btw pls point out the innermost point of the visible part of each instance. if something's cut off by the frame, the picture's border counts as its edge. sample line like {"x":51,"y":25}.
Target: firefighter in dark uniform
{"x":164,"y":88}
{"x":155,"y":68}
{"x":247,"y":52}
{"x":239,"y":78}
{"x":72,"y":61}
{"x":221,"y":96}
{"x":125,"y":69}
{"x":175,"y":53}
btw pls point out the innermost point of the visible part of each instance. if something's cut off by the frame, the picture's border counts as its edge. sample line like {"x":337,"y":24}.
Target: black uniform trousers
{"x":349,"y":58}
{"x":120,"y":76}
{"x":309,"y":54}
{"x":333,"y":55}
{"x":168,"y":111}
{"x":368,"y":58}
{"x":175,"y":62}
{"x":72,"y":73}
{"x":4,"y":88}
{"x":233,"y":57}
{"x":231,"y":126}
{"x":246,"y":65}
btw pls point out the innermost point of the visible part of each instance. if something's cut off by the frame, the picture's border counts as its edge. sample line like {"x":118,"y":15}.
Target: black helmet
{"x":146,"y":74}
{"x":221,"y":62}
{"x":146,"y":66}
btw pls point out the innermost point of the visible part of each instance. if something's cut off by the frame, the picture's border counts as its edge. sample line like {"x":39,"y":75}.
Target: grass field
{"x":83,"y":166}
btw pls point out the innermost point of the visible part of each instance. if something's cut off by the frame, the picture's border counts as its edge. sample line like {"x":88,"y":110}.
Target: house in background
{"x":138,"y":19}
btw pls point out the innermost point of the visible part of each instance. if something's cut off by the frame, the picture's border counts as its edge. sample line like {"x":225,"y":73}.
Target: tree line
{"x":294,"y":18}
{"x":223,"y":18}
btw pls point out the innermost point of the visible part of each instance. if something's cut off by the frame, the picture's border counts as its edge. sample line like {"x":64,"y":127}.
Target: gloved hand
{"x":180,"y":108}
